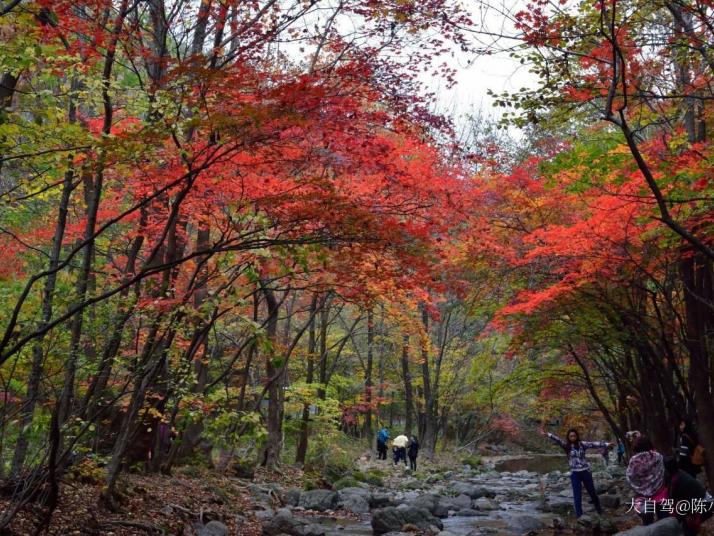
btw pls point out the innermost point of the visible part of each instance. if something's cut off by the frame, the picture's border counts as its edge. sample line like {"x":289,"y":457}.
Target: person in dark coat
{"x":620,"y":452}
{"x":691,"y":503}
{"x":685,"y":441}
{"x":413,"y":452}
{"x":382,"y":438}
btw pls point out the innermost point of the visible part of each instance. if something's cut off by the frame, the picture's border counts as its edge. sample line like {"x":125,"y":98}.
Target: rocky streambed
{"x":488,"y":500}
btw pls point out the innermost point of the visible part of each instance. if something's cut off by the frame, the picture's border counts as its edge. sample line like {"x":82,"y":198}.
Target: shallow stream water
{"x":519,"y":486}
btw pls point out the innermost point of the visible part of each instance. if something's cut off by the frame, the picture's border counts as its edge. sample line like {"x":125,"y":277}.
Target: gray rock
{"x":357,"y":504}
{"x":559,"y":505}
{"x":284,"y":523}
{"x":381,"y":500}
{"x":390,"y":519}
{"x":362,"y":492}
{"x":291,"y":497}
{"x":667,"y":527}
{"x":319,"y":499}
{"x":262,"y":515}
{"x":465,"y":488}
{"x":485,"y":504}
{"x":262,"y":494}
{"x":469,"y":512}
{"x":461,"y":501}
{"x":525,"y":523}
{"x":213,"y":528}
{"x":609,"y":501}
{"x":436,"y":504}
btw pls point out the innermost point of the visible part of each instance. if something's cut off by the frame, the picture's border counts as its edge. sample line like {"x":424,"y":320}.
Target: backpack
{"x":698,"y":455}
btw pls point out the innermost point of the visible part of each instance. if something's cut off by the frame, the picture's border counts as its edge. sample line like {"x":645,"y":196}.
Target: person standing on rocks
{"x":413,"y":452}
{"x":382,"y":438}
{"x":685,"y":444}
{"x":580,"y":473}
{"x":399,"y":447}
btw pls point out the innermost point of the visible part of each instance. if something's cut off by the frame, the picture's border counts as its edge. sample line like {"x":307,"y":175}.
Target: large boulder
{"x":609,"y":501}
{"x":284,"y":523}
{"x":525,"y":523}
{"x":381,"y":500}
{"x":559,"y":505}
{"x":357,"y":504}
{"x":466,"y":489}
{"x":436,"y":504}
{"x":667,"y":527}
{"x":265,"y":494}
{"x":319,"y":499}
{"x":362,"y":492}
{"x":393,"y":519}
{"x":485,"y":504}
{"x":291,"y":496}
{"x":457,"y":503}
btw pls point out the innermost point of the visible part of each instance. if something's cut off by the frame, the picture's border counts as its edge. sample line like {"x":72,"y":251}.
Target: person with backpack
{"x":382,"y":438}
{"x":686,"y":446}
{"x":620,"y":452}
{"x":580,"y":473}
{"x":413,"y":452}
{"x":399,"y":447}
{"x":691,"y":503}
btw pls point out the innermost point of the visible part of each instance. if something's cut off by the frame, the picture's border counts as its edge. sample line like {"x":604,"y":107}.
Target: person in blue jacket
{"x":580,"y":473}
{"x":382,"y":438}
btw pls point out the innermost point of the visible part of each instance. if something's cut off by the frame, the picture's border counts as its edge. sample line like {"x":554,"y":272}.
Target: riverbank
{"x":463,"y":501}
{"x":501,"y":496}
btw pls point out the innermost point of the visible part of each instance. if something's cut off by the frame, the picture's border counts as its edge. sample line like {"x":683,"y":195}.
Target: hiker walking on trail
{"x":399,"y":447}
{"x":686,"y":446}
{"x":382,"y":438}
{"x":580,"y":474}
{"x":413,"y":452}
{"x":620,"y":452}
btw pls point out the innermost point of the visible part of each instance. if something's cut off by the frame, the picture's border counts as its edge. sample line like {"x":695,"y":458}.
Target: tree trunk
{"x":431,"y":425}
{"x":93,"y":191}
{"x":305,"y":421}
{"x":408,"y":398}
{"x":33,"y":383}
{"x":698,"y":295}
{"x":324,"y":324}
{"x":273,"y":443}
{"x":368,"y":375}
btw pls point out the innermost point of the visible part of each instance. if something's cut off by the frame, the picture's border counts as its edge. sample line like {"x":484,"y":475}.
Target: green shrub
{"x":472,"y":461}
{"x":87,"y":471}
{"x":311,"y":480}
{"x":374,"y":478}
{"x":329,"y":460}
{"x":346,"y":482}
